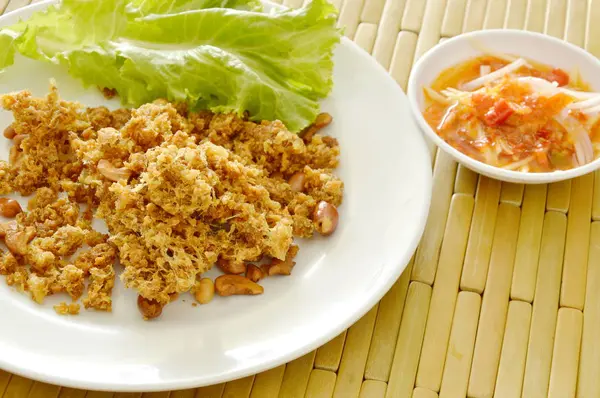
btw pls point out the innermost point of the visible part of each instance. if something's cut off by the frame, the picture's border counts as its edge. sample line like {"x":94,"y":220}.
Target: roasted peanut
{"x":231,"y":267}
{"x":9,"y":208}
{"x":292,"y":252}
{"x":10,"y":132}
{"x":281,"y":267}
{"x":308,"y":133}
{"x":254,"y":273}
{"x":296,"y":181}
{"x":111,"y":172}
{"x":228,"y":285}
{"x":204,"y":291}
{"x":278,"y":267}
{"x":323,"y":119}
{"x":16,"y":241}
{"x":13,"y":155}
{"x":325,"y":217}
{"x":149,"y":308}
{"x":18,"y":139}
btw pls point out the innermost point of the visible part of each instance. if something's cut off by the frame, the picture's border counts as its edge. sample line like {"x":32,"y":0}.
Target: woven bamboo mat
{"x":471,"y":316}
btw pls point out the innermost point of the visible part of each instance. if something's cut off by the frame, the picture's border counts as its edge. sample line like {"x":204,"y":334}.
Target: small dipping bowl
{"x":532,"y":46}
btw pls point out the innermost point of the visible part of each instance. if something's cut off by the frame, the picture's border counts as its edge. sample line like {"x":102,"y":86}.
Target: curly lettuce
{"x":222,"y":55}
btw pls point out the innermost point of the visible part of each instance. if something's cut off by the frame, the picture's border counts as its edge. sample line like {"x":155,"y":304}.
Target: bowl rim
{"x":476,"y":165}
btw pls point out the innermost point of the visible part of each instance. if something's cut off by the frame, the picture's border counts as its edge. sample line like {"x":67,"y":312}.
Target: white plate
{"x":386,"y":167}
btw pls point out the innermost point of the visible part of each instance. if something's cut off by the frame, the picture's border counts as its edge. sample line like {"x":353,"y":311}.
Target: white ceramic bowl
{"x":534,"y":46}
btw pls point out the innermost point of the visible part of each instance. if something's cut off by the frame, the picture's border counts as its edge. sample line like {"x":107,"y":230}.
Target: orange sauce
{"x":506,"y":123}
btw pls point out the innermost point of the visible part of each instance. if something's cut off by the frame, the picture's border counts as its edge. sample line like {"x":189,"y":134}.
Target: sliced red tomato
{"x":559,"y":76}
{"x":498,"y":113}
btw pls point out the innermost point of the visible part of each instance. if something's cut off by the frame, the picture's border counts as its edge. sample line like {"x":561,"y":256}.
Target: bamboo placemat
{"x":471,"y":316}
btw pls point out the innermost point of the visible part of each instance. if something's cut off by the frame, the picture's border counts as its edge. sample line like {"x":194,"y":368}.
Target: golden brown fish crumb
{"x":178,"y":191}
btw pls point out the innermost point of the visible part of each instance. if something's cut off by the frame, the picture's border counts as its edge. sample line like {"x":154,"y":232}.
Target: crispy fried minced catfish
{"x":178,"y":191}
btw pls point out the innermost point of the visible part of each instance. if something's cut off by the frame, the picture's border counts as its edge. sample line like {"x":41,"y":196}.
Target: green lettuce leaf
{"x":223,"y":55}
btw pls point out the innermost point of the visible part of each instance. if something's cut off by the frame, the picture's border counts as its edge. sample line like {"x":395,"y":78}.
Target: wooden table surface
{"x":471,"y":316}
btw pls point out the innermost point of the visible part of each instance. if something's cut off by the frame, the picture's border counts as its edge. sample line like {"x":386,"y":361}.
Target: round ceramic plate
{"x":386,"y":168}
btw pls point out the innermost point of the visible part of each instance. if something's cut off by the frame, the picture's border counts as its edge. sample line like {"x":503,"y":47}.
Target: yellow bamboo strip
{"x":494,"y":307}
{"x":555,"y":18}
{"x":129,"y":395}
{"x":410,"y":339}
{"x":515,"y":14}
{"x":214,"y":391}
{"x":528,"y":244}
{"x":572,"y":293}
{"x":429,"y":35}
{"x":372,"y":389}
{"x":565,"y":358}
{"x":428,"y":252}
{"x":575,"y":28}
{"x":596,"y":197}
{"x":481,"y":234}
{"x":159,"y":394}
{"x":43,"y":390}
{"x":588,"y":383}
{"x":389,"y":27}
{"x":402,"y":58}
{"x":329,"y":355}
{"x":372,"y":10}
{"x":239,"y":388}
{"x":71,"y":393}
{"x":295,"y":378}
{"x":183,"y":394}
{"x":466,"y":181}
{"x":420,"y":392}
{"x":98,"y":394}
{"x":352,"y":367}
{"x":474,"y":15}
{"x":268,"y":383}
{"x":445,"y":291}
{"x":413,"y":15}
{"x":494,"y":14}
{"x":365,"y":36}
{"x":559,"y":196}
{"x":17,"y":387}
{"x":460,"y":347}
{"x":512,"y":193}
{"x":350,"y":16}
{"x":4,"y":379}
{"x":592,"y":40}
{"x":453,"y":18}
{"x":535,"y":15}
{"x":514,"y":350}
{"x":545,"y":307}
{"x":320,"y":384}
{"x":385,"y":333}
